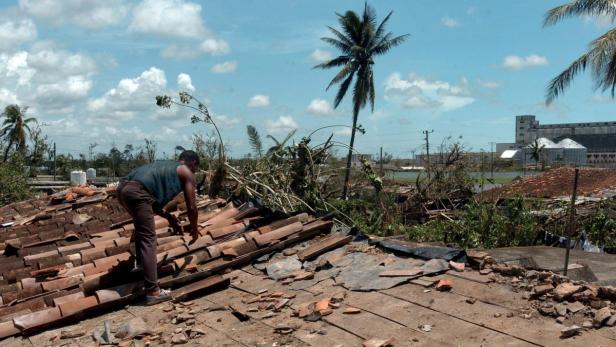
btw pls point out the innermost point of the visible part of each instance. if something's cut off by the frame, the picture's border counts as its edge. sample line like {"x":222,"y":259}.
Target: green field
{"x":501,"y":177}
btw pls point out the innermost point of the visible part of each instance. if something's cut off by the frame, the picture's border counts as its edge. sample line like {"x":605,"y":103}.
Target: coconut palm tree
{"x":601,"y":54}
{"x":536,"y":152}
{"x":359,"y":42}
{"x":14,"y":128}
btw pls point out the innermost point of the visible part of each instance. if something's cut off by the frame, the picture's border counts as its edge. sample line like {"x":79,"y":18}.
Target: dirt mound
{"x":555,"y":183}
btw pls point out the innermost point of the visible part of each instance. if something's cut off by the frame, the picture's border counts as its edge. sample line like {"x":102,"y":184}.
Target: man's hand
{"x":174,"y":223}
{"x":195,"y":235}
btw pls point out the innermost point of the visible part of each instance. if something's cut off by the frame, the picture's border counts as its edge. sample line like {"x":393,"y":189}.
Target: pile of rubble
{"x":64,"y":259}
{"x":575,"y":304}
{"x":559,"y":182}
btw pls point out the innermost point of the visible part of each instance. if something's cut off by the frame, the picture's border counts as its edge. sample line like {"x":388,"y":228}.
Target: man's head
{"x":190,"y":159}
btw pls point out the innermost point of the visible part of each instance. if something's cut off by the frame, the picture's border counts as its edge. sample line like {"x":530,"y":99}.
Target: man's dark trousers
{"x":138,"y":202}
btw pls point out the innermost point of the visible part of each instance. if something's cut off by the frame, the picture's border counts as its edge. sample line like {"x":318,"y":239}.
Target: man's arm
{"x":188,"y":186}
{"x":173,"y":221}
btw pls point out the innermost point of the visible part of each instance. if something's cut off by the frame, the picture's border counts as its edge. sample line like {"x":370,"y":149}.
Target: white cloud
{"x":225,"y":121}
{"x":91,"y":14}
{"x":7,"y":97}
{"x":215,"y":47}
{"x":515,"y":62}
{"x":320,"y":107}
{"x":259,"y":101}
{"x":226,"y":67}
{"x":320,"y":56}
{"x":281,"y":126}
{"x":64,"y":93}
{"x":185,"y":83}
{"x":172,"y":18}
{"x":489,"y":84}
{"x":450,"y":22}
{"x":417,"y":92}
{"x":53,"y":64}
{"x":48,"y":80}
{"x":15,"y":32}
{"x":130,"y":96}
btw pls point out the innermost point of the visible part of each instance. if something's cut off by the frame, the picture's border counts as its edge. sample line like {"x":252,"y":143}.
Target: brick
{"x":280,"y":233}
{"x":202,"y":242}
{"x":90,"y":254}
{"x":50,"y":297}
{"x":119,"y":292}
{"x":193,"y":259}
{"x":214,"y":251}
{"x":102,"y":243}
{"x":41,"y":255}
{"x":444,"y":285}
{"x":75,"y":306}
{"x":122,"y":241}
{"x":323,"y":246}
{"x":37,"y":319}
{"x":217,"y":233}
{"x":170,"y":245}
{"x":115,"y":250}
{"x":8,"y":329}
{"x":172,"y":253}
{"x":61,"y":283}
{"x":68,"y":298}
{"x":32,"y":305}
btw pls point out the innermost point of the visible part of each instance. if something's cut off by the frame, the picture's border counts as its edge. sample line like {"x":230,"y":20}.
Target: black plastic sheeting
{"x":423,"y":252}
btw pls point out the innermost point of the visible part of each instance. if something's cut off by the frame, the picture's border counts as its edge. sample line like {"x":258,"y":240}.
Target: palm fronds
{"x":601,"y":55}
{"x":580,"y":8}
{"x":255,"y":140}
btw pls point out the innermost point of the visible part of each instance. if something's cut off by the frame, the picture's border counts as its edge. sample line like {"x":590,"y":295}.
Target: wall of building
{"x":527,"y":129}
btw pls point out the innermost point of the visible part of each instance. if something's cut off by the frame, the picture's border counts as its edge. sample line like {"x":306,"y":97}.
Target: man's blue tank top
{"x":160,"y":179}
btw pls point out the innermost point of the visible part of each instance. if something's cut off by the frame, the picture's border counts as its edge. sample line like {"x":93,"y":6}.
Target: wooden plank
{"x":538,"y":330}
{"x":445,"y":328}
{"x":202,"y":286}
{"x":322,"y":246}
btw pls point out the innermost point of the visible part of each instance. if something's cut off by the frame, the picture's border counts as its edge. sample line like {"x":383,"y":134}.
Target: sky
{"x":89,"y":70}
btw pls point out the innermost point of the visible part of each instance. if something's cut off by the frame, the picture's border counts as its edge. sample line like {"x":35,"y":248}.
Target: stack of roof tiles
{"x":61,"y":264}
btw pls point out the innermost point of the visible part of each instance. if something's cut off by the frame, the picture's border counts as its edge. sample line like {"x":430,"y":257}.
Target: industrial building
{"x":566,"y":144}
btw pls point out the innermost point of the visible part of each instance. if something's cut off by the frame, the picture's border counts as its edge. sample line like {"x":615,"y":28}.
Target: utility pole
{"x":427,"y":138}
{"x":492,"y":161}
{"x":381,"y":161}
{"x":54,"y":161}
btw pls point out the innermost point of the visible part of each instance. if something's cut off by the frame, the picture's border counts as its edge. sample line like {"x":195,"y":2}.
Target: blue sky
{"x":89,"y":70}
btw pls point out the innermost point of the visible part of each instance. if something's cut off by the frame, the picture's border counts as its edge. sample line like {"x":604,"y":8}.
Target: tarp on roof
{"x":509,"y":154}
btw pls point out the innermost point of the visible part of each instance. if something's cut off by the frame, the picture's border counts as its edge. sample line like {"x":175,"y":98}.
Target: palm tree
{"x":601,"y":55}
{"x":536,"y":152}
{"x":359,"y":42}
{"x":14,"y":128}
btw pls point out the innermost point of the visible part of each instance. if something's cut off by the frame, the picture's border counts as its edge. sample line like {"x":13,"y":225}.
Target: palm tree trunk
{"x":348,"y":165}
{"x":6,"y":151}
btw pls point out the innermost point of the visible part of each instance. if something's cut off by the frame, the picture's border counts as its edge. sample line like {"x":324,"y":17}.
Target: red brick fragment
{"x":444,"y":285}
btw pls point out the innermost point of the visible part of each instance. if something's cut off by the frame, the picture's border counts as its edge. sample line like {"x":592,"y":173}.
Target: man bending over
{"x":143,"y":193}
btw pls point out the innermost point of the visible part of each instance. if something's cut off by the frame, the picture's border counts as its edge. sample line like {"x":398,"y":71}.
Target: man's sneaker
{"x":162,"y":296}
